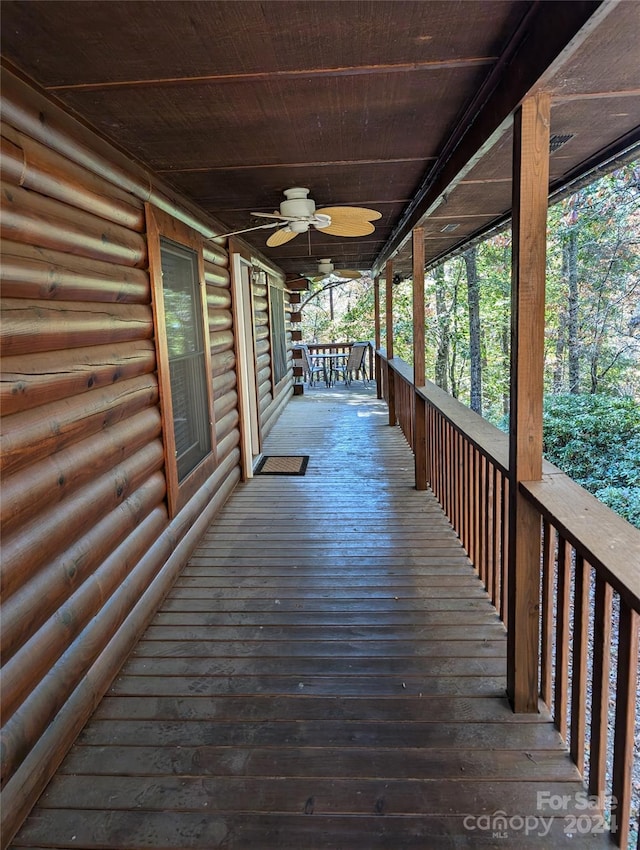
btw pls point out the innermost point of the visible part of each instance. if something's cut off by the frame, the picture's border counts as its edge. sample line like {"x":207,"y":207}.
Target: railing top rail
{"x":327,"y":346}
{"x":333,"y":344}
{"x":605,"y":540}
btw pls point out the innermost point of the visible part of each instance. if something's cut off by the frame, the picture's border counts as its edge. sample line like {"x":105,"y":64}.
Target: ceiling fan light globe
{"x":298,"y":226}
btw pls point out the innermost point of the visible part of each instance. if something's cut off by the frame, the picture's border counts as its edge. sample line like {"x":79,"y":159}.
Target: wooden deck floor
{"x":327,"y":673}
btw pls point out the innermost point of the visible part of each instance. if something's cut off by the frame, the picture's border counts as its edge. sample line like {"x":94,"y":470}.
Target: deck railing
{"x":589,"y":583}
{"x":340,"y":348}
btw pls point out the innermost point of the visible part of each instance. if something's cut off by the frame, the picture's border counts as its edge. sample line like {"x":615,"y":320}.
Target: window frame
{"x":271,"y":285}
{"x":160,"y":226}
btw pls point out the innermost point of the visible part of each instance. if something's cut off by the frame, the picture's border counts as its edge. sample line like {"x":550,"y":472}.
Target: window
{"x":278,"y":338}
{"x":188,"y":379}
{"x":182,"y":345}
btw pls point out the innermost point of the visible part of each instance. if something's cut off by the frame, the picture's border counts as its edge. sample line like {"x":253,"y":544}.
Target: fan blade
{"x":347,"y":228}
{"x":280,"y":237}
{"x":348,"y":274}
{"x":352,"y":213}
{"x":271,"y":215}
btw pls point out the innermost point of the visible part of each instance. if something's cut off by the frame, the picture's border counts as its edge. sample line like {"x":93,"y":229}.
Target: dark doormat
{"x":282,"y":465}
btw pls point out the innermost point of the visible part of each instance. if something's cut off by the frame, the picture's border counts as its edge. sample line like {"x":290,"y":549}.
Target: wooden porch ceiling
{"x":402,"y":106}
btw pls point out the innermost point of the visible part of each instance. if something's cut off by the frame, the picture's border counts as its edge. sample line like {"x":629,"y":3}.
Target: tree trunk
{"x":442,"y":315}
{"x":475,"y":353}
{"x":558,"y":370}
{"x":453,"y":340}
{"x":506,"y":332}
{"x":570,"y":253}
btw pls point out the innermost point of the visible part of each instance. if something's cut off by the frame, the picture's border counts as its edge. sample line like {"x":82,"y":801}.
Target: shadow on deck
{"x":327,"y":673}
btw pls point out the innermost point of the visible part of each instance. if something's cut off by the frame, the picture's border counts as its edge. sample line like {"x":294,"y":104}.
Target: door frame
{"x":245,"y":364}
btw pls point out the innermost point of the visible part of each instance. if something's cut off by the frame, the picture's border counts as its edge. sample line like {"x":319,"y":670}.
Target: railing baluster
{"x":452,"y":489}
{"x":600,"y":688}
{"x":460,"y":482}
{"x":497,"y":536}
{"x":452,"y":475}
{"x":487,"y":502}
{"x":561,"y":690}
{"x":433,"y":448}
{"x":490,"y":513}
{"x":482,"y":550}
{"x":440,"y":453}
{"x":444,"y":461}
{"x":464,"y":492}
{"x":468,"y":498}
{"x":474,"y":507}
{"x":579,"y":666}
{"x":626,"y":682}
{"x":546,"y":631}
{"x":504,"y":581}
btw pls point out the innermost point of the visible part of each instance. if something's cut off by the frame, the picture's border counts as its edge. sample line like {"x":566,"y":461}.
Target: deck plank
{"x":327,"y":672}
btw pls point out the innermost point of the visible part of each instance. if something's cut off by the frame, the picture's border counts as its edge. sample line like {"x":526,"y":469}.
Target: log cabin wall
{"x":273,"y":394}
{"x":89,"y":548}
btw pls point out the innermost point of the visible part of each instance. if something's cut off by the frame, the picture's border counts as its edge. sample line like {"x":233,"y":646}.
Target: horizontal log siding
{"x":271,"y":399}
{"x":262,"y":349}
{"x":223,"y":361}
{"x":88,"y":548}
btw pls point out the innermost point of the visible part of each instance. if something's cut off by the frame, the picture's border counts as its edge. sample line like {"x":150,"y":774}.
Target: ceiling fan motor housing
{"x":325,"y":266}
{"x":297,"y":203}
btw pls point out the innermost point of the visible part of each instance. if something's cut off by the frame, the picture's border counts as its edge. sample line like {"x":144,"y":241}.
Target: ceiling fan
{"x":299,"y":214}
{"x":326,"y":268}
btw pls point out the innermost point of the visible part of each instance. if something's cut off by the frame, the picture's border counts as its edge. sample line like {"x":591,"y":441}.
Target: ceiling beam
{"x":309,"y":164}
{"x":298,"y":73}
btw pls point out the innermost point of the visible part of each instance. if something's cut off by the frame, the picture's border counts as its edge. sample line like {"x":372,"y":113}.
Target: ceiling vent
{"x":449,"y":228}
{"x":556,"y":141}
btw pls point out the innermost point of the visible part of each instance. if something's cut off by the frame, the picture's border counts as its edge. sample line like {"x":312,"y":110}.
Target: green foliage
{"x":595,"y":439}
{"x":623,"y":500}
{"x":602,"y":222}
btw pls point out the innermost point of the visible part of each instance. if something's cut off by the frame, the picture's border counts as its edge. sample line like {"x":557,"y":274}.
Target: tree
{"x":443,"y":331}
{"x":593,"y":283}
{"x":475,"y":354}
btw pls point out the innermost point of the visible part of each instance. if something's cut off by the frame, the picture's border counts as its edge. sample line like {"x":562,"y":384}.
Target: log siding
{"x":89,"y":548}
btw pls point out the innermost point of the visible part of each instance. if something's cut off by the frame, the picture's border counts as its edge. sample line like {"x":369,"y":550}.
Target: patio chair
{"x":356,"y":363}
{"x":310,"y":368}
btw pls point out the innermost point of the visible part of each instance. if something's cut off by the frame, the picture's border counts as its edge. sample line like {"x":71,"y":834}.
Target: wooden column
{"x":378,"y":335}
{"x":419,"y":420}
{"x":530,"y":193}
{"x":389,"y":341}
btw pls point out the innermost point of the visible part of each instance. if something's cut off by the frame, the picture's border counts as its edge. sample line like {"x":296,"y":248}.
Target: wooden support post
{"x":378,"y":335}
{"x":419,"y":420}
{"x":389,"y":342}
{"x":530,"y":193}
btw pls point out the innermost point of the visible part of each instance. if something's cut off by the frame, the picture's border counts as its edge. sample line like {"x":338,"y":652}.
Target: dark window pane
{"x":278,"y":340}
{"x":183,"y":322}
